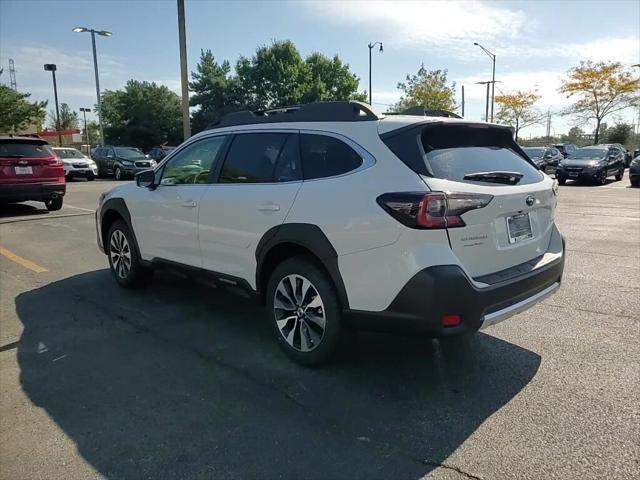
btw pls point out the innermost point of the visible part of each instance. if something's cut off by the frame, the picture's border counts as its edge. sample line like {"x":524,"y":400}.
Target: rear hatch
{"x":501,"y":207}
{"x":28,"y":160}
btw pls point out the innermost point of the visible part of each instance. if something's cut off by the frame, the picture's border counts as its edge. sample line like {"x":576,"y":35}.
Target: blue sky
{"x":535,"y":42}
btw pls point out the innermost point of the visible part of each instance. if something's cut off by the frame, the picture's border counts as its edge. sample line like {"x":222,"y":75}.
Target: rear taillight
{"x":431,"y":210}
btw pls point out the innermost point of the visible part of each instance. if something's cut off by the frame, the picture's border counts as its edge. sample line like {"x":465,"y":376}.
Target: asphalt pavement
{"x":181,"y":380}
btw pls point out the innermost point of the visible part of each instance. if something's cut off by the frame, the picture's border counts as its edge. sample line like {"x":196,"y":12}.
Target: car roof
{"x":9,"y":138}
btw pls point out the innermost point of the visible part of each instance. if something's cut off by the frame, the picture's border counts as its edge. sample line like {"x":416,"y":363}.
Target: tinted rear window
{"x":324,"y":156}
{"x":24,"y":149}
{"x":453,"y":150}
{"x":262,"y":158}
{"x":455,"y":163}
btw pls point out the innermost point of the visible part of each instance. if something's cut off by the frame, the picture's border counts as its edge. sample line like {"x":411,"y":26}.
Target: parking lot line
{"x":79,"y":208}
{"x":34,"y":267}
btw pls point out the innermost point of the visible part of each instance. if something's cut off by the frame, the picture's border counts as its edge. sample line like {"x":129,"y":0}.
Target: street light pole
{"x":182,"y":37}
{"x":493,"y":75}
{"x":51,"y":67}
{"x":103,"y":33}
{"x":86,"y":132}
{"x":371,"y":45}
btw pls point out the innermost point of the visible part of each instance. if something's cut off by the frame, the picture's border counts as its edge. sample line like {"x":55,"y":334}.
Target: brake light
{"x":433,"y":210}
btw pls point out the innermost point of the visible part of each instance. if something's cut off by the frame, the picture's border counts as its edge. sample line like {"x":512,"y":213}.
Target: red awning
{"x":53,"y":133}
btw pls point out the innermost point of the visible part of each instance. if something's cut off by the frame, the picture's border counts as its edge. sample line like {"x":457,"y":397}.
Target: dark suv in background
{"x":158,"y":153}
{"x":121,"y":162}
{"x":545,"y":158}
{"x":592,"y":164}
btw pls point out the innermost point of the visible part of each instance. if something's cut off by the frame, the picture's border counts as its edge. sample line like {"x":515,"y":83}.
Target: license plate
{"x":573,"y":174}
{"x":24,"y":171}
{"x":519,"y":227}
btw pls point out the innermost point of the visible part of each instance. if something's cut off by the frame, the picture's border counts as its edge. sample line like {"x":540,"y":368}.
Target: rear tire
{"x":304,"y":311}
{"x":54,"y":204}
{"x":124,"y":259}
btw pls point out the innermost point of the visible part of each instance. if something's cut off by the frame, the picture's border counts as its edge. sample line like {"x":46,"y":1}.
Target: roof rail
{"x":344,"y":111}
{"x":425,"y":112}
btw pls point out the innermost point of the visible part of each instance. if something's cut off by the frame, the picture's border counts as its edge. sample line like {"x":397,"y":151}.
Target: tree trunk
{"x":597,"y":134}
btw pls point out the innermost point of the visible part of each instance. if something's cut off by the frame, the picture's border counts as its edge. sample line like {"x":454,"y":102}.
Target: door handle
{"x":269,"y":207}
{"x":189,"y":204}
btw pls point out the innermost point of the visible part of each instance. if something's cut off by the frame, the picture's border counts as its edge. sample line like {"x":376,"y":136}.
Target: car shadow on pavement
{"x":22,"y":209}
{"x":183,"y":381}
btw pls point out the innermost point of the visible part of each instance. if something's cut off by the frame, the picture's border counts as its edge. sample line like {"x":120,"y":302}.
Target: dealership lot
{"x":181,"y":380}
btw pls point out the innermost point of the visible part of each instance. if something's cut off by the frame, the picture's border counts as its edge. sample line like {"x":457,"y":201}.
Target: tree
{"x":215,"y":91}
{"x":142,"y":115}
{"x":517,"y":110}
{"x":600,"y":89}
{"x":428,"y":89}
{"x":275,"y":76}
{"x":68,"y":118}
{"x":619,"y":133}
{"x":93,"y":128}
{"x":17,"y":113}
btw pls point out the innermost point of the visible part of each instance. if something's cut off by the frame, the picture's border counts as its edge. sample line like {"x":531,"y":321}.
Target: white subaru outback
{"x":337,"y":218}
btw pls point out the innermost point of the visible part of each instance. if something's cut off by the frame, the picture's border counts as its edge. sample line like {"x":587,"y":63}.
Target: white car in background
{"x":76,"y":164}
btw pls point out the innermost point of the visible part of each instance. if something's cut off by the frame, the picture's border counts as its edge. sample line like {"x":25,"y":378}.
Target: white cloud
{"x":435,"y":23}
{"x":620,"y":49}
{"x":29,"y":60}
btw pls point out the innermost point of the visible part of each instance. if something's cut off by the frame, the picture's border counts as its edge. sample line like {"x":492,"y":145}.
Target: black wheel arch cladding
{"x":309,"y":237}
{"x":118,"y":206}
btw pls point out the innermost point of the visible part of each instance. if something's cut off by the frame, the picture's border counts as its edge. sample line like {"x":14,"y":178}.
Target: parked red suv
{"x":30,"y":170}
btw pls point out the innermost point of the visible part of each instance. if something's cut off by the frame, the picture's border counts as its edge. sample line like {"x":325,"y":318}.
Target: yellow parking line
{"x":34,"y":267}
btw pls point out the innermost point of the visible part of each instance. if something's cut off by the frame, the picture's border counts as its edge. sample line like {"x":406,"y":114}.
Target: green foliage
{"x":68,"y":118}
{"x":17,"y":113}
{"x":94,"y":133}
{"x":428,"y":89}
{"x":142,"y":115}
{"x":274,"y":76}
{"x":619,"y":133}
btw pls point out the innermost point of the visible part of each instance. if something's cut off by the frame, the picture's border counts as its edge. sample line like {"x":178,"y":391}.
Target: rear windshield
{"x":24,"y":150}
{"x":68,"y":153}
{"x":455,"y":163}
{"x":453,"y":151}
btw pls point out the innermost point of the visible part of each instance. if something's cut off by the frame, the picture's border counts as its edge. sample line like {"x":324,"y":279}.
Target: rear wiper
{"x":510,"y":178}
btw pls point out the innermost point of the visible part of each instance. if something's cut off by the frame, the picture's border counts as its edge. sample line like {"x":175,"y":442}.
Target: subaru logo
{"x":530,"y":200}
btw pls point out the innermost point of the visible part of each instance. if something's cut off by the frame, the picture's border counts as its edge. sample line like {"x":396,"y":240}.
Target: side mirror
{"x":146,"y":179}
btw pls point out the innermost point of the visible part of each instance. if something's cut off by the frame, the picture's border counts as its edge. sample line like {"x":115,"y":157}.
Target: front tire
{"x":117,"y":173}
{"x":54,"y":204}
{"x":304,"y":311}
{"x":602,"y":178}
{"x":124,"y":259}
{"x":620,"y":174}
{"x":562,"y":181}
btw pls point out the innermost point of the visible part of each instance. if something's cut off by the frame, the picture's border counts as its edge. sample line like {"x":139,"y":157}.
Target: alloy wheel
{"x":120,"y":254}
{"x":299,"y":313}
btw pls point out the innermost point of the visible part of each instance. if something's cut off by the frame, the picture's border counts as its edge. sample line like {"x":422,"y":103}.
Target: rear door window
{"x":324,"y":156}
{"x":9,"y":149}
{"x":262,"y":158}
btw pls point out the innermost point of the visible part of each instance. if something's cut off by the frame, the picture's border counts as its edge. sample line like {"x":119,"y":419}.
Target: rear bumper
{"x":32,"y":191}
{"x":446,"y":290}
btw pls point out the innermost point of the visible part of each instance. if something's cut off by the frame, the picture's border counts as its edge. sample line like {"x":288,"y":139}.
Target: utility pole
{"x":486,"y":108}
{"x":12,"y":75}
{"x":86,"y":132}
{"x":182,"y":37}
{"x":462,"y":101}
{"x":549,"y":126}
{"x":51,"y":67}
{"x":492,"y":56}
{"x":371,"y":45}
